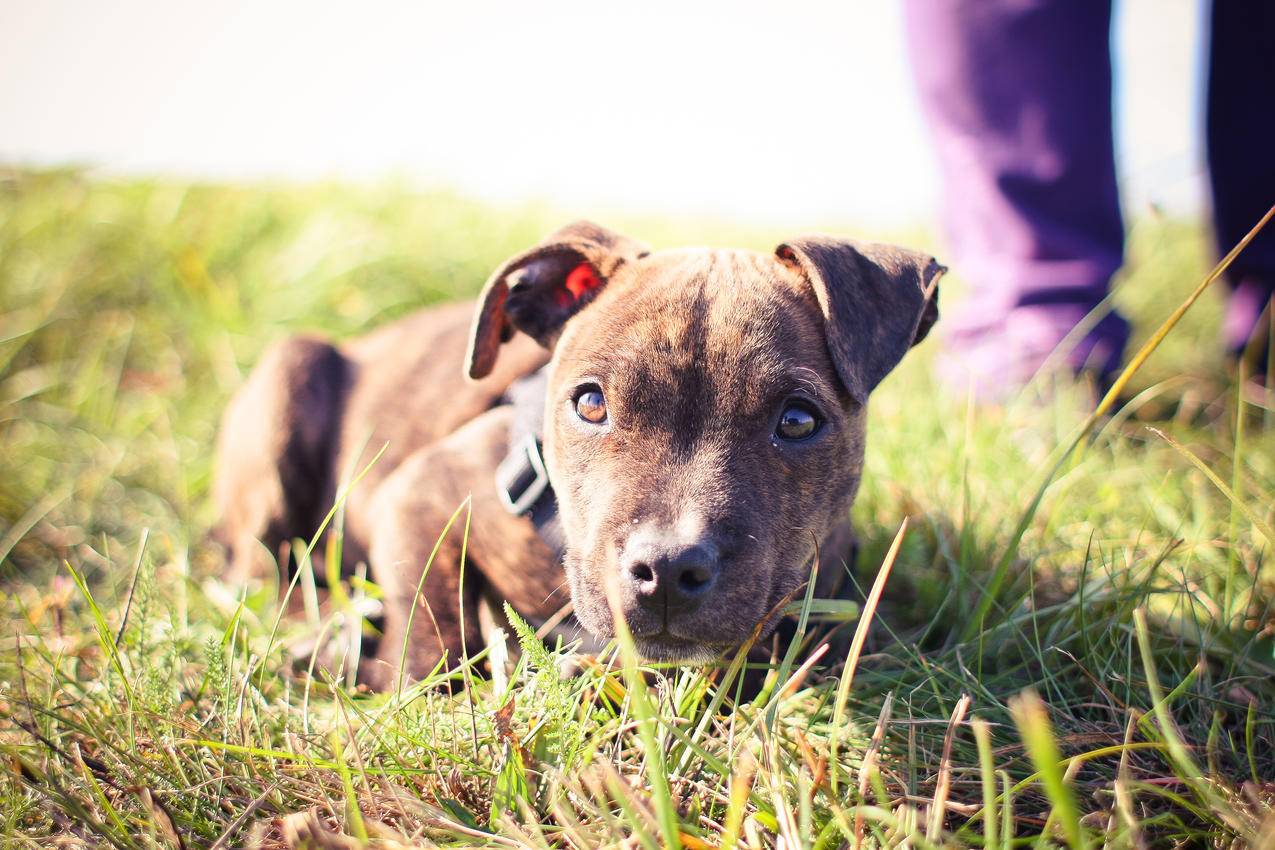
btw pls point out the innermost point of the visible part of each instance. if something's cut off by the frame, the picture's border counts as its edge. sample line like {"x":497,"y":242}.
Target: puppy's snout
{"x":678,"y":576}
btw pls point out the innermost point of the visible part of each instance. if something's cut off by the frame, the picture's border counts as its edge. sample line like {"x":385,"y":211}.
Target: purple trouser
{"x":1018,"y":96}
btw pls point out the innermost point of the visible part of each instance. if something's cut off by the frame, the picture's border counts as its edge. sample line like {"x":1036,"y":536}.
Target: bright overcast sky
{"x":795,"y":111}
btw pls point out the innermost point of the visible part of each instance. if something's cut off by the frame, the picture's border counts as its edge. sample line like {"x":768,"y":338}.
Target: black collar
{"x":522,"y":482}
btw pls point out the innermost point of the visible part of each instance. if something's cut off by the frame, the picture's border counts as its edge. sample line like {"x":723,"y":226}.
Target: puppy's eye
{"x":590,"y":405}
{"x":798,"y":421}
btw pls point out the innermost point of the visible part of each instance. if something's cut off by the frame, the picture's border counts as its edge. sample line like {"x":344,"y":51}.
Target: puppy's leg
{"x":410,"y":509}
{"x":504,"y":556}
{"x":273,"y":468}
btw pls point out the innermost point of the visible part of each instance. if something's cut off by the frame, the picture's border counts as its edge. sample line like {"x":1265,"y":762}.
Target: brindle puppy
{"x":703,"y":432}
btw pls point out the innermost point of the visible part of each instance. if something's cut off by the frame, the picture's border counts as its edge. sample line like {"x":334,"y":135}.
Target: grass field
{"x":1098,"y":670}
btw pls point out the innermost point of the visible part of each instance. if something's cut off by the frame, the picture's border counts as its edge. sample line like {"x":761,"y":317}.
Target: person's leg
{"x":1241,"y":139}
{"x":1017,"y":94}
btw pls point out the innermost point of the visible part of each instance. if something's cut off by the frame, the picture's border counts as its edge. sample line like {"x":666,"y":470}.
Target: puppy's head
{"x":705,"y":414}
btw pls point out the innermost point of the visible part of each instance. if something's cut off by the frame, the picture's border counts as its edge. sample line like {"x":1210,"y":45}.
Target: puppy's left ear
{"x":877,"y":302}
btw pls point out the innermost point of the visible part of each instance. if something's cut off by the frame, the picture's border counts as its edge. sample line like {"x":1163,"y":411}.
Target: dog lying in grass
{"x":673,"y":437}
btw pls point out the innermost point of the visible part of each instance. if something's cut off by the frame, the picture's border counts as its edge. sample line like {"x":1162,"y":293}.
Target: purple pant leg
{"x":1017,"y":94}
{"x":1241,"y":151}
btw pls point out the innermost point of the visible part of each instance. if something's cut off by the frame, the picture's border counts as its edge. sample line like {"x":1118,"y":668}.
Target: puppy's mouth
{"x":720,"y":623}
{"x":664,"y":646}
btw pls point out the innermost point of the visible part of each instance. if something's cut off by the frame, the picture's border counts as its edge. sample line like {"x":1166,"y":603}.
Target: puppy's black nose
{"x":678,"y":576}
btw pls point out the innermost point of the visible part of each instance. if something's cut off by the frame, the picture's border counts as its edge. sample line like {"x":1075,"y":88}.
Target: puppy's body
{"x":313,"y":415}
{"x":686,"y":509}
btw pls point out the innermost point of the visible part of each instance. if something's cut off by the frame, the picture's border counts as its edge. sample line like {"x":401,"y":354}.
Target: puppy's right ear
{"x":537,"y":291}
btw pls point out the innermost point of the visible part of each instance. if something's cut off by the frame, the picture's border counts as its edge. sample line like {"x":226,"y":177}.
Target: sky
{"x":792,"y":112}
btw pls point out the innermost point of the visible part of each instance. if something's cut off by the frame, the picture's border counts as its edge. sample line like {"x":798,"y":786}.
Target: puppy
{"x":671,"y":436}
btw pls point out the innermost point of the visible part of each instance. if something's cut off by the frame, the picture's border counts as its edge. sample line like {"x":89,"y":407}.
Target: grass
{"x":1117,"y":688}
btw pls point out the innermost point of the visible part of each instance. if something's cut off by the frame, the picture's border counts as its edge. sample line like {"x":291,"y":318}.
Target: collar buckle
{"x":521,"y":478}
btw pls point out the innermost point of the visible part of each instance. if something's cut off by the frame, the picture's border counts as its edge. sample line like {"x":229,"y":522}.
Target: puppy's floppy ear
{"x":538,"y":290}
{"x":877,"y":302}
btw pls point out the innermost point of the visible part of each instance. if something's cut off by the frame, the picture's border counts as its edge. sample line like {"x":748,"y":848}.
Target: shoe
{"x":1247,"y":327}
{"x":995,"y":358}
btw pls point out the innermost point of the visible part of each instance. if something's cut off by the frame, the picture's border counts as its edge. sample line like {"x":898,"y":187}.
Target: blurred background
{"x":183,"y":183}
{"x":782,"y":114}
